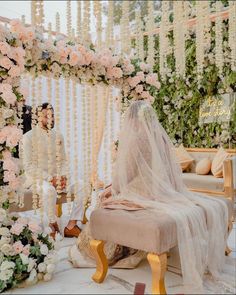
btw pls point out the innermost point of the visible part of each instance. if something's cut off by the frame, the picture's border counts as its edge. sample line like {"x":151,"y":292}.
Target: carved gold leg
{"x":101,"y":260}
{"x":158,"y":265}
{"x":58,"y":210}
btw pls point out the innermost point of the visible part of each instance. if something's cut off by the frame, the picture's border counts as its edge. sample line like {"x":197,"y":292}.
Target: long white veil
{"x":147,"y":174}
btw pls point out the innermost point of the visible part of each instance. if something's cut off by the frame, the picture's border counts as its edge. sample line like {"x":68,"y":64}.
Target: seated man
{"x":49,"y":177}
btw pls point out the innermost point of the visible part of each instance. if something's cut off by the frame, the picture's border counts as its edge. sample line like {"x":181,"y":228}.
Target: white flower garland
{"x":124,"y":28}
{"x":79,"y":21}
{"x":86,"y":23}
{"x":232,"y":33}
{"x":98,"y":14}
{"x":179,"y":37}
{"x":68,"y":18}
{"x":58,"y":23}
{"x":150,"y":28}
{"x":139,"y":35}
{"x":164,"y":41}
{"x":202,"y":34}
{"x":110,"y":25}
{"x":105,"y":135}
{"x":219,"y":57}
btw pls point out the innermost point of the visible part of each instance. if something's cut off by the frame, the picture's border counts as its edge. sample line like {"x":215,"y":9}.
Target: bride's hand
{"x":106,"y":194}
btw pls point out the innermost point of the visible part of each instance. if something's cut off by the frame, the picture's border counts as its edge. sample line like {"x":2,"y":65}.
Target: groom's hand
{"x":63,"y":182}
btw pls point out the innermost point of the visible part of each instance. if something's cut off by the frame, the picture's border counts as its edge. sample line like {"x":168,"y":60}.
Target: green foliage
{"x":178,"y":101}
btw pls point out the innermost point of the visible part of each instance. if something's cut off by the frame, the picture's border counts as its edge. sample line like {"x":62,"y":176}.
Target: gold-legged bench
{"x":143,"y":230}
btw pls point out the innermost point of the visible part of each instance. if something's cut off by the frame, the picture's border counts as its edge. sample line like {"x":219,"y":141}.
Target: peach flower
{"x":6,"y":63}
{"x":4,"y":48}
{"x":139,"y":88}
{"x":74,"y":58}
{"x":9,"y":97}
{"x":18,"y":247}
{"x":5,"y":87}
{"x":15,"y":71}
{"x":26,"y":250}
{"x":133,"y":81}
{"x":17,"y":229}
{"x":34,"y":227}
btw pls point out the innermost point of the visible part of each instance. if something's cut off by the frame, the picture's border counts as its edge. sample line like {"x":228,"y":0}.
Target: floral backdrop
{"x":179,"y":99}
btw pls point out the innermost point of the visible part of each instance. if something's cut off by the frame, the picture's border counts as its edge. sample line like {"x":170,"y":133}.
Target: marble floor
{"x":68,"y":280}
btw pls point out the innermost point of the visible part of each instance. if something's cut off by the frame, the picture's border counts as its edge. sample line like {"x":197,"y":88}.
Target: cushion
{"x":183,"y":157}
{"x":203,"y":167}
{"x":207,"y":182}
{"x":217,"y":163}
{"x":143,"y":230}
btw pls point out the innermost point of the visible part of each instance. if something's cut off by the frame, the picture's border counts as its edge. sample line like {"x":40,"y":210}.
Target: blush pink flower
{"x":133,"y":81}
{"x":6,"y":154}
{"x":34,"y":227}
{"x":5,"y":87}
{"x":141,"y":76}
{"x":9,"y":97}
{"x":15,"y":71}
{"x":10,"y":165}
{"x":6,"y":63}
{"x":114,"y":72}
{"x":15,"y":183}
{"x":26,"y":250}
{"x":9,"y":176}
{"x":4,"y":48}
{"x":145,"y":94}
{"x":11,"y":134}
{"x":23,"y":220}
{"x":74,"y":58}
{"x":17,"y":229}
{"x":88,"y":58}
{"x":139,"y":89}
{"x":18,"y":247}
{"x":151,"y":79}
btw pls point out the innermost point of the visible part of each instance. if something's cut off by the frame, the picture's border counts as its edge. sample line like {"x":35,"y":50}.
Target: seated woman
{"x":147,"y":177}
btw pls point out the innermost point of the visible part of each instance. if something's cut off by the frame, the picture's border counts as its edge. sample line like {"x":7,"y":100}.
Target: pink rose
{"x":18,"y":247}
{"x":34,"y":227}
{"x":74,"y":58}
{"x":6,"y":63}
{"x":88,"y":58}
{"x":14,"y":71}
{"x":133,"y":81}
{"x":9,"y":97}
{"x":5,"y":87}
{"x":9,"y":176}
{"x":11,"y":134}
{"x":26,"y":250}
{"x":141,"y":76}
{"x":4,"y":47}
{"x":144,"y":67}
{"x":23,"y":220}
{"x":145,"y":94}
{"x":139,"y":89}
{"x":10,"y":165}
{"x":6,"y":155}
{"x":115,"y":72}
{"x":15,"y":183}
{"x":151,"y":79}
{"x":17,"y":229}
{"x":24,"y":91}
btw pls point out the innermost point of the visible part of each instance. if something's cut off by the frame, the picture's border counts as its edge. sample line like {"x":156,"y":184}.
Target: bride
{"x":147,"y":177}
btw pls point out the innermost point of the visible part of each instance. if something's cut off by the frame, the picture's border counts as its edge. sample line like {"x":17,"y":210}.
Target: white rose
{"x":4,"y":231}
{"x":47,"y":277}
{"x":51,"y":268}
{"x":31,"y":264}
{"x":42,"y":267}
{"x":7,"y":250}
{"x":4,"y":240}
{"x":3,"y":215}
{"x":7,"y":265}
{"x":44,"y":249}
{"x":32,"y":279}
{"x":24,"y":259}
{"x":6,"y":274}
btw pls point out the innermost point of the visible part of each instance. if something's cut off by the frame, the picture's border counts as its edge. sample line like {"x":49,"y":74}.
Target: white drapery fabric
{"x":146,"y":174}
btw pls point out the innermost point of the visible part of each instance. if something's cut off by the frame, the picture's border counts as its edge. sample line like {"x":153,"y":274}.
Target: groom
{"x":49,"y":184}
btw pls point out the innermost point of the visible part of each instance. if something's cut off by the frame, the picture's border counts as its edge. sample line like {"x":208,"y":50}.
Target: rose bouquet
{"x":26,"y":252}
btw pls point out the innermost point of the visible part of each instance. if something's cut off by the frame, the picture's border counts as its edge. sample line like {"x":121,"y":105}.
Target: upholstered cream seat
{"x":143,"y":230}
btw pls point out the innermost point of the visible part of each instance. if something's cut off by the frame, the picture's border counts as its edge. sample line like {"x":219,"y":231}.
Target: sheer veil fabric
{"x":146,"y":174}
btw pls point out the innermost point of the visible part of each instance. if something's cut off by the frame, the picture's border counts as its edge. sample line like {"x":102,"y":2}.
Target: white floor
{"x":68,"y":280}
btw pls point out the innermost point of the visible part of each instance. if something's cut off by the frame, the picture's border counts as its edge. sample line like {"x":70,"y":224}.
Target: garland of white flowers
{"x":98,"y":14}
{"x":110,"y":25}
{"x":105,"y":135}
{"x":58,"y":25}
{"x":139,"y":35}
{"x":202,"y":34}
{"x":34,"y":147}
{"x":232,"y":34}
{"x":124,"y":29}
{"x":111,"y":112}
{"x":39,"y":149}
{"x":219,"y":57}
{"x":68,"y":18}
{"x":79,"y":21}
{"x":76,"y":143}
{"x":33,"y":12}
{"x":164,"y":41}
{"x":179,"y":37}
{"x":86,"y":23}
{"x":150,"y":28}
{"x":68,"y":143}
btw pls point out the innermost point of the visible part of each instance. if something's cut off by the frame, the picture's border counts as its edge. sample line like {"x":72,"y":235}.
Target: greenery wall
{"x":177,"y":102}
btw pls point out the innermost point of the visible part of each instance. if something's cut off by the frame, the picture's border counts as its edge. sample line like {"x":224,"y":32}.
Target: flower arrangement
{"x":26,"y":252}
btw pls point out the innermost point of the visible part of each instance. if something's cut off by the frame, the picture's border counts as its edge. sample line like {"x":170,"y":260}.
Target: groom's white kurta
{"x":48,"y":191}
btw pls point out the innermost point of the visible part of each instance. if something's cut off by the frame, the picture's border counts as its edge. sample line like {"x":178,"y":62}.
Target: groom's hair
{"x":44,"y":106}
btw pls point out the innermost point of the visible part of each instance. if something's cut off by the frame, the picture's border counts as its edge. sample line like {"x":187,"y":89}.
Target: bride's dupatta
{"x":147,"y":176}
